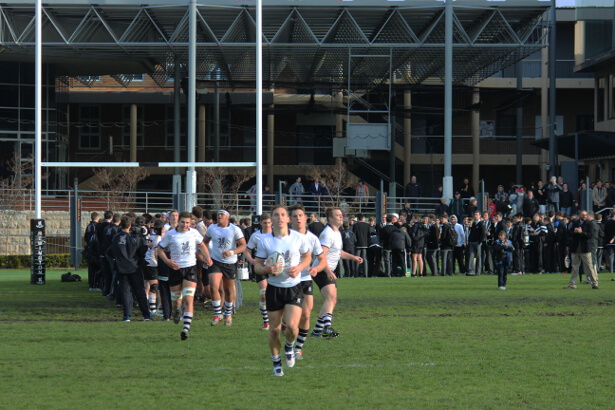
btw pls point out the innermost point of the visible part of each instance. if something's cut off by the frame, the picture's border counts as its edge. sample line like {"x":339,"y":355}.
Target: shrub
{"x":59,"y":260}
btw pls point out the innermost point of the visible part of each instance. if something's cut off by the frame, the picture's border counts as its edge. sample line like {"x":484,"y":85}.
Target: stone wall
{"x":15,"y":231}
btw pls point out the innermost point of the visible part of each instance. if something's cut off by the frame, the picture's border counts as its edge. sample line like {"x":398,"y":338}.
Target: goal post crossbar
{"x":149,"y":164}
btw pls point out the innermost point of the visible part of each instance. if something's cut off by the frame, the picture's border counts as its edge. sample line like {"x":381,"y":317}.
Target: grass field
{"x":454,"y":342}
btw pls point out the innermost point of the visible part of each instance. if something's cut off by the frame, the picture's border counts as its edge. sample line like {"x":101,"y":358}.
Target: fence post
{"x":147,"y":202}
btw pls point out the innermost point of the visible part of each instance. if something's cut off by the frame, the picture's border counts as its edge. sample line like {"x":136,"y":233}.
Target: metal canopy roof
{"x":304,"y":42}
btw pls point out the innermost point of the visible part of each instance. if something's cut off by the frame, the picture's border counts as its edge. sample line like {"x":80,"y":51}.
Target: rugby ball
{"x":276,"y":258}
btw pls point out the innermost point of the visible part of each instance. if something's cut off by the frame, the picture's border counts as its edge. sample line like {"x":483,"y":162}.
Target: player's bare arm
{"x":262,"y":269}
{"x":163,"y":256}
{"x":322,"y":263}
{"x":241,"y":246}
{"x":351,"y":257}
{"x":204,"y":251}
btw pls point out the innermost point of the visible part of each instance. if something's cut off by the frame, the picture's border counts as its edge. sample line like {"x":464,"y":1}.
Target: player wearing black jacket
{"x":109,"y":272}
{"x":128,"y":250}
{"x":91,"y":253}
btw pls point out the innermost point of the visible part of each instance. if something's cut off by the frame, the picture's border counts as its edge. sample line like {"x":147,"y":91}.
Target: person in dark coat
{"x":413,"y":190}
{"x":432,"y":244}
{"x":349,"y":242}
{"x":400,"y":243}
{"x":315,"y":226}
{"x":442,"y":207}
{"x":609,"y":240}
{"x":530,"y":205}
{"x":361,"y":231}
{"x":128,"y":250}
{"x":418,"y":234}
{"x":466,"y":190}
{"x":582,"y":246}
{"x":561,"y":241}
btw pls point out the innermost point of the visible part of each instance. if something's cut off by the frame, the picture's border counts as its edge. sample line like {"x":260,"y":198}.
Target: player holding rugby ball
{"x":284,"y":293}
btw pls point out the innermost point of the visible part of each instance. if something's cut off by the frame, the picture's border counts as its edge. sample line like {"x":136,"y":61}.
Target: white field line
{"x":347,"y":366}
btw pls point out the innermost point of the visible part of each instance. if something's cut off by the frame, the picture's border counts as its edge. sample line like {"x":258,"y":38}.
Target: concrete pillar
{"x":270,"y":147}
{"x":475,"y":126}
{"x":544,"y":110}
{"x":407,"y":137}
{"x":133,"y":133}
{"x":202,"y":130}
{"x":339,"y":122}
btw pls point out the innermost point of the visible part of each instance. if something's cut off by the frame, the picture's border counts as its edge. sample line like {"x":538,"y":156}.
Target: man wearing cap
{"x":227,"y":241}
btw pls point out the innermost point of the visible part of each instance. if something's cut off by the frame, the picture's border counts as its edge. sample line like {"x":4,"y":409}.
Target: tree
{"x":224,"y":185}
{"x":338,"y":182}
{"x":16,"y":188}
{"x":118,"y":189}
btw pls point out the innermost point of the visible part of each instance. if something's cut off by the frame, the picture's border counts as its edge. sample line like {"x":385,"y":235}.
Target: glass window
{"x":89,"y":127}
{"x":600,"y":94}
{"x":170,"y":128}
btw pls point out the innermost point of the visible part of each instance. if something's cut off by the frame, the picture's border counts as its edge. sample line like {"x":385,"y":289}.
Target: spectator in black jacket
{"x":361,"y":231}
{"x":400,"y":243}
{"x":374,"y":251}
{"x":91,"y":252}
{"x":441,"y":208}
{"x":475,"y":241}
{"x":599,"y":229}
{"x":315,"y":226}
{"x":447,"y":242}
{"x":561,"y":241}
{"x":530,"y":205}
{"x":128,"y":250}
{"x":466,"y":190}
{"x":609,"y":240}
{"x":413,"y":190}
{"x":581,"y":247}
{"x":349,"y":242}
{"x":418,"y":234}
{"x":566,"y":200}
{"x":109,"y":272}
{"x":432,"y":244}
{"x":518,"y":241}
{"x":385,"y":234}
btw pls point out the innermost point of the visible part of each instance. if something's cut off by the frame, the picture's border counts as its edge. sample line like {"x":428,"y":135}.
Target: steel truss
{"x":301,"y":44}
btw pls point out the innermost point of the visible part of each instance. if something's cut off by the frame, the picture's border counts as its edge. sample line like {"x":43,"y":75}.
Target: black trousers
{"x":94,"y":273}
{"x":518,"y":258}
{"x":374,"y":257}
{"x":129,"y":283}
{"x":432,"y":261}
{"x":458,"y":253}
{"x":398,"y":257}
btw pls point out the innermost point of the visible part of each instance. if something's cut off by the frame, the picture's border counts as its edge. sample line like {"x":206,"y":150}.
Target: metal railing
{"x":239,"y":204}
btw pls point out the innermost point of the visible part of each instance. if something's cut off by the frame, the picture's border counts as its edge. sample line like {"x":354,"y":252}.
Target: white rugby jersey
{"x":182,"y":245}
{"x":315,"y":249}
{"x":255,"y":239}
{"x":223,"y":239}
{"x":150,"y":255}
{"x":332,"y":240}
{"x":292,"y":246}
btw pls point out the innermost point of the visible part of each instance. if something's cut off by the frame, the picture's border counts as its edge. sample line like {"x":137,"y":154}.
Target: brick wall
{"x":15,"y":231}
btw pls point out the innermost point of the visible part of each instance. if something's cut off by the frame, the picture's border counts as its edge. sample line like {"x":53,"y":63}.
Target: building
{"x":117,"y":68}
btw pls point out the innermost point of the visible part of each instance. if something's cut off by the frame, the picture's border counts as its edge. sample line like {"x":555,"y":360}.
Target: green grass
{"x":454,"y":342}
